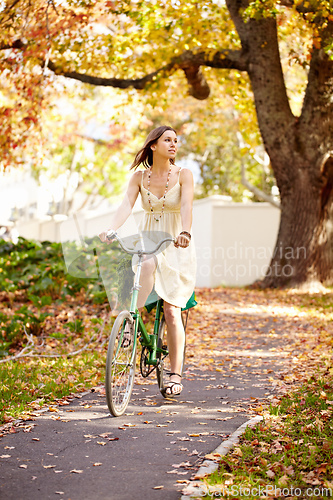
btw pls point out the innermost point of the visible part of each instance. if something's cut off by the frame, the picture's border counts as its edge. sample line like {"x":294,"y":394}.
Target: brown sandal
{"x":170,"y":385}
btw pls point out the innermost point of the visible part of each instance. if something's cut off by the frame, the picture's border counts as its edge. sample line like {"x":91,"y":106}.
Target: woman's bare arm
{"x":186,"y":207}
{"x":125,"y":208}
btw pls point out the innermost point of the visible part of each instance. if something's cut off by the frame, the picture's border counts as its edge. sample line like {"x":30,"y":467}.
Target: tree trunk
{"x":303,"y":256}
{"x":296,"y":146}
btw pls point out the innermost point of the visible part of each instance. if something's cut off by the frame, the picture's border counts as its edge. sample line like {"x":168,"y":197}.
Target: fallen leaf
{"x":238,"y":452}
{"x":23,"y":466}
{"x":290,"y":470}
{"x":75,"y":471}
{"x":213,"y":456}
{"x":158,"y":487}
{"x":321,"y":468}
{"x":96,"y":464}
{"x":49,"y":466}
{"x":327,"y":445}
{"x":283,"y":481}
{"x":183,"y":464}
{"x":5,"y":456}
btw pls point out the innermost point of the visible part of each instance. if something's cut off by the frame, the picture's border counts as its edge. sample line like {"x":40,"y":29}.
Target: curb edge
{"x":209,"y":466}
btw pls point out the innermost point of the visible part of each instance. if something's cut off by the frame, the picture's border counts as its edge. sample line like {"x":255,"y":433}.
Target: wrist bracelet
{"x":185,"y":233}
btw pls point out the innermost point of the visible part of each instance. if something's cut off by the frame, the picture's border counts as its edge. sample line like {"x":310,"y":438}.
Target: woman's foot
{"x":174,"y":386}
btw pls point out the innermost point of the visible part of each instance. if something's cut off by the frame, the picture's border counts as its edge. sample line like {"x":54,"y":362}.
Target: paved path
{"x":79,"y":452}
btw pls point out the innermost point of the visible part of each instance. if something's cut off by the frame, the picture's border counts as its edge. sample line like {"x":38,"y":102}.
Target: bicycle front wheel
{"x":163,"y":368}
{"x":120,"y":364}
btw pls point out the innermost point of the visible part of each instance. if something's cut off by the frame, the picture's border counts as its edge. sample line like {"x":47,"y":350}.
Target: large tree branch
{"x":256,"y":191}
{"x":260,"y":42}
{"x":316,"y":120}
{"x":122,"y":83}
{"x":189,"y":62}
{"x":17,"y":44}
{"x":235,"y":7}
{"x":302,"y":6}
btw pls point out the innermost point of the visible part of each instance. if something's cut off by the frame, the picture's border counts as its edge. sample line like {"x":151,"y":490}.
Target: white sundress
{"x":176,"y":267}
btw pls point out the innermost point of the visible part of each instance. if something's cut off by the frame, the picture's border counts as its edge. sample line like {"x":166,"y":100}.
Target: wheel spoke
{"x":120,"y":365}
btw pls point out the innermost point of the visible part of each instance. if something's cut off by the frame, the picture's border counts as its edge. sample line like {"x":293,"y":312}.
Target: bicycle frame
{"x":146,"y":339}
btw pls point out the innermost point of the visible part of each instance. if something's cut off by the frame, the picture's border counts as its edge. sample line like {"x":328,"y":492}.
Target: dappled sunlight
{"x":246,"y":353}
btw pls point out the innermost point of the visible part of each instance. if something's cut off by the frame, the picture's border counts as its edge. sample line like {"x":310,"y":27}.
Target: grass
{"x":289,"y":454}
{"x":29,"y":384}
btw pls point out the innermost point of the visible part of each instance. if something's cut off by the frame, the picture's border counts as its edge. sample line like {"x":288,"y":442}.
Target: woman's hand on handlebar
{"x":107,"y":236}
{"x":182,"y":241}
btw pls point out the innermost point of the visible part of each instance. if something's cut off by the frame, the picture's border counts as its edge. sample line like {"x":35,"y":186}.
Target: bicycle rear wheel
{"x":120,"y":364}
{"x":163,"y":368}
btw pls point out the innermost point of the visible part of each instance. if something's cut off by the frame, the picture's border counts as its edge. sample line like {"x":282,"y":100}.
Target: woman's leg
{"x":146,"y":279}
{"x":146,"y":285}
{"x":176,"y":343}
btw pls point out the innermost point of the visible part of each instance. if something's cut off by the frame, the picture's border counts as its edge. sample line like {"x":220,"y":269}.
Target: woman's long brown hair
{"x":145,"y":155}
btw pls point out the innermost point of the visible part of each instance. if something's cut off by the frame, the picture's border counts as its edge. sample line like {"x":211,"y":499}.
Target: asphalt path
{"x":77,"y":451}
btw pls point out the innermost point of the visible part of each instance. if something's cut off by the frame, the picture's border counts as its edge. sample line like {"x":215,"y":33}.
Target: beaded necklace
{"x":165,"y":192}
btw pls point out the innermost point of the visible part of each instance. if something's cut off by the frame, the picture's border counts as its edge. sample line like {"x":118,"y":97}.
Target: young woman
{"x":167,"y":196}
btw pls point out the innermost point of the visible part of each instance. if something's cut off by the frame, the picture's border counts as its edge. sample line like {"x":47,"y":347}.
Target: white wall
{"x":234,"y":241}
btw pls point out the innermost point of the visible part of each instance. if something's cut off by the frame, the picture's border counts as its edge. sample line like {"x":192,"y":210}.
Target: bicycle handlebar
{"x":113,"y":234}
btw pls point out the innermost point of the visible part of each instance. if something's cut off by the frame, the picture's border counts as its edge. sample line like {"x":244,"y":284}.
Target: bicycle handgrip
{"x":112,"y":234}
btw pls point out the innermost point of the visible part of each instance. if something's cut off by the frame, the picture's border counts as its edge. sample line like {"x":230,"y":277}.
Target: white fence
{"x":234,"y":241}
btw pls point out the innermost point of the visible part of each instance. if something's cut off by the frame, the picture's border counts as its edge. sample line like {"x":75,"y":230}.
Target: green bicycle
{"x":127,"y":328}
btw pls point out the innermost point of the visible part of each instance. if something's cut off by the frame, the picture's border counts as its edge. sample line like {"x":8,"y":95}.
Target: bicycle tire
{"x":163,"y":362}
{"x":120,"y":365}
